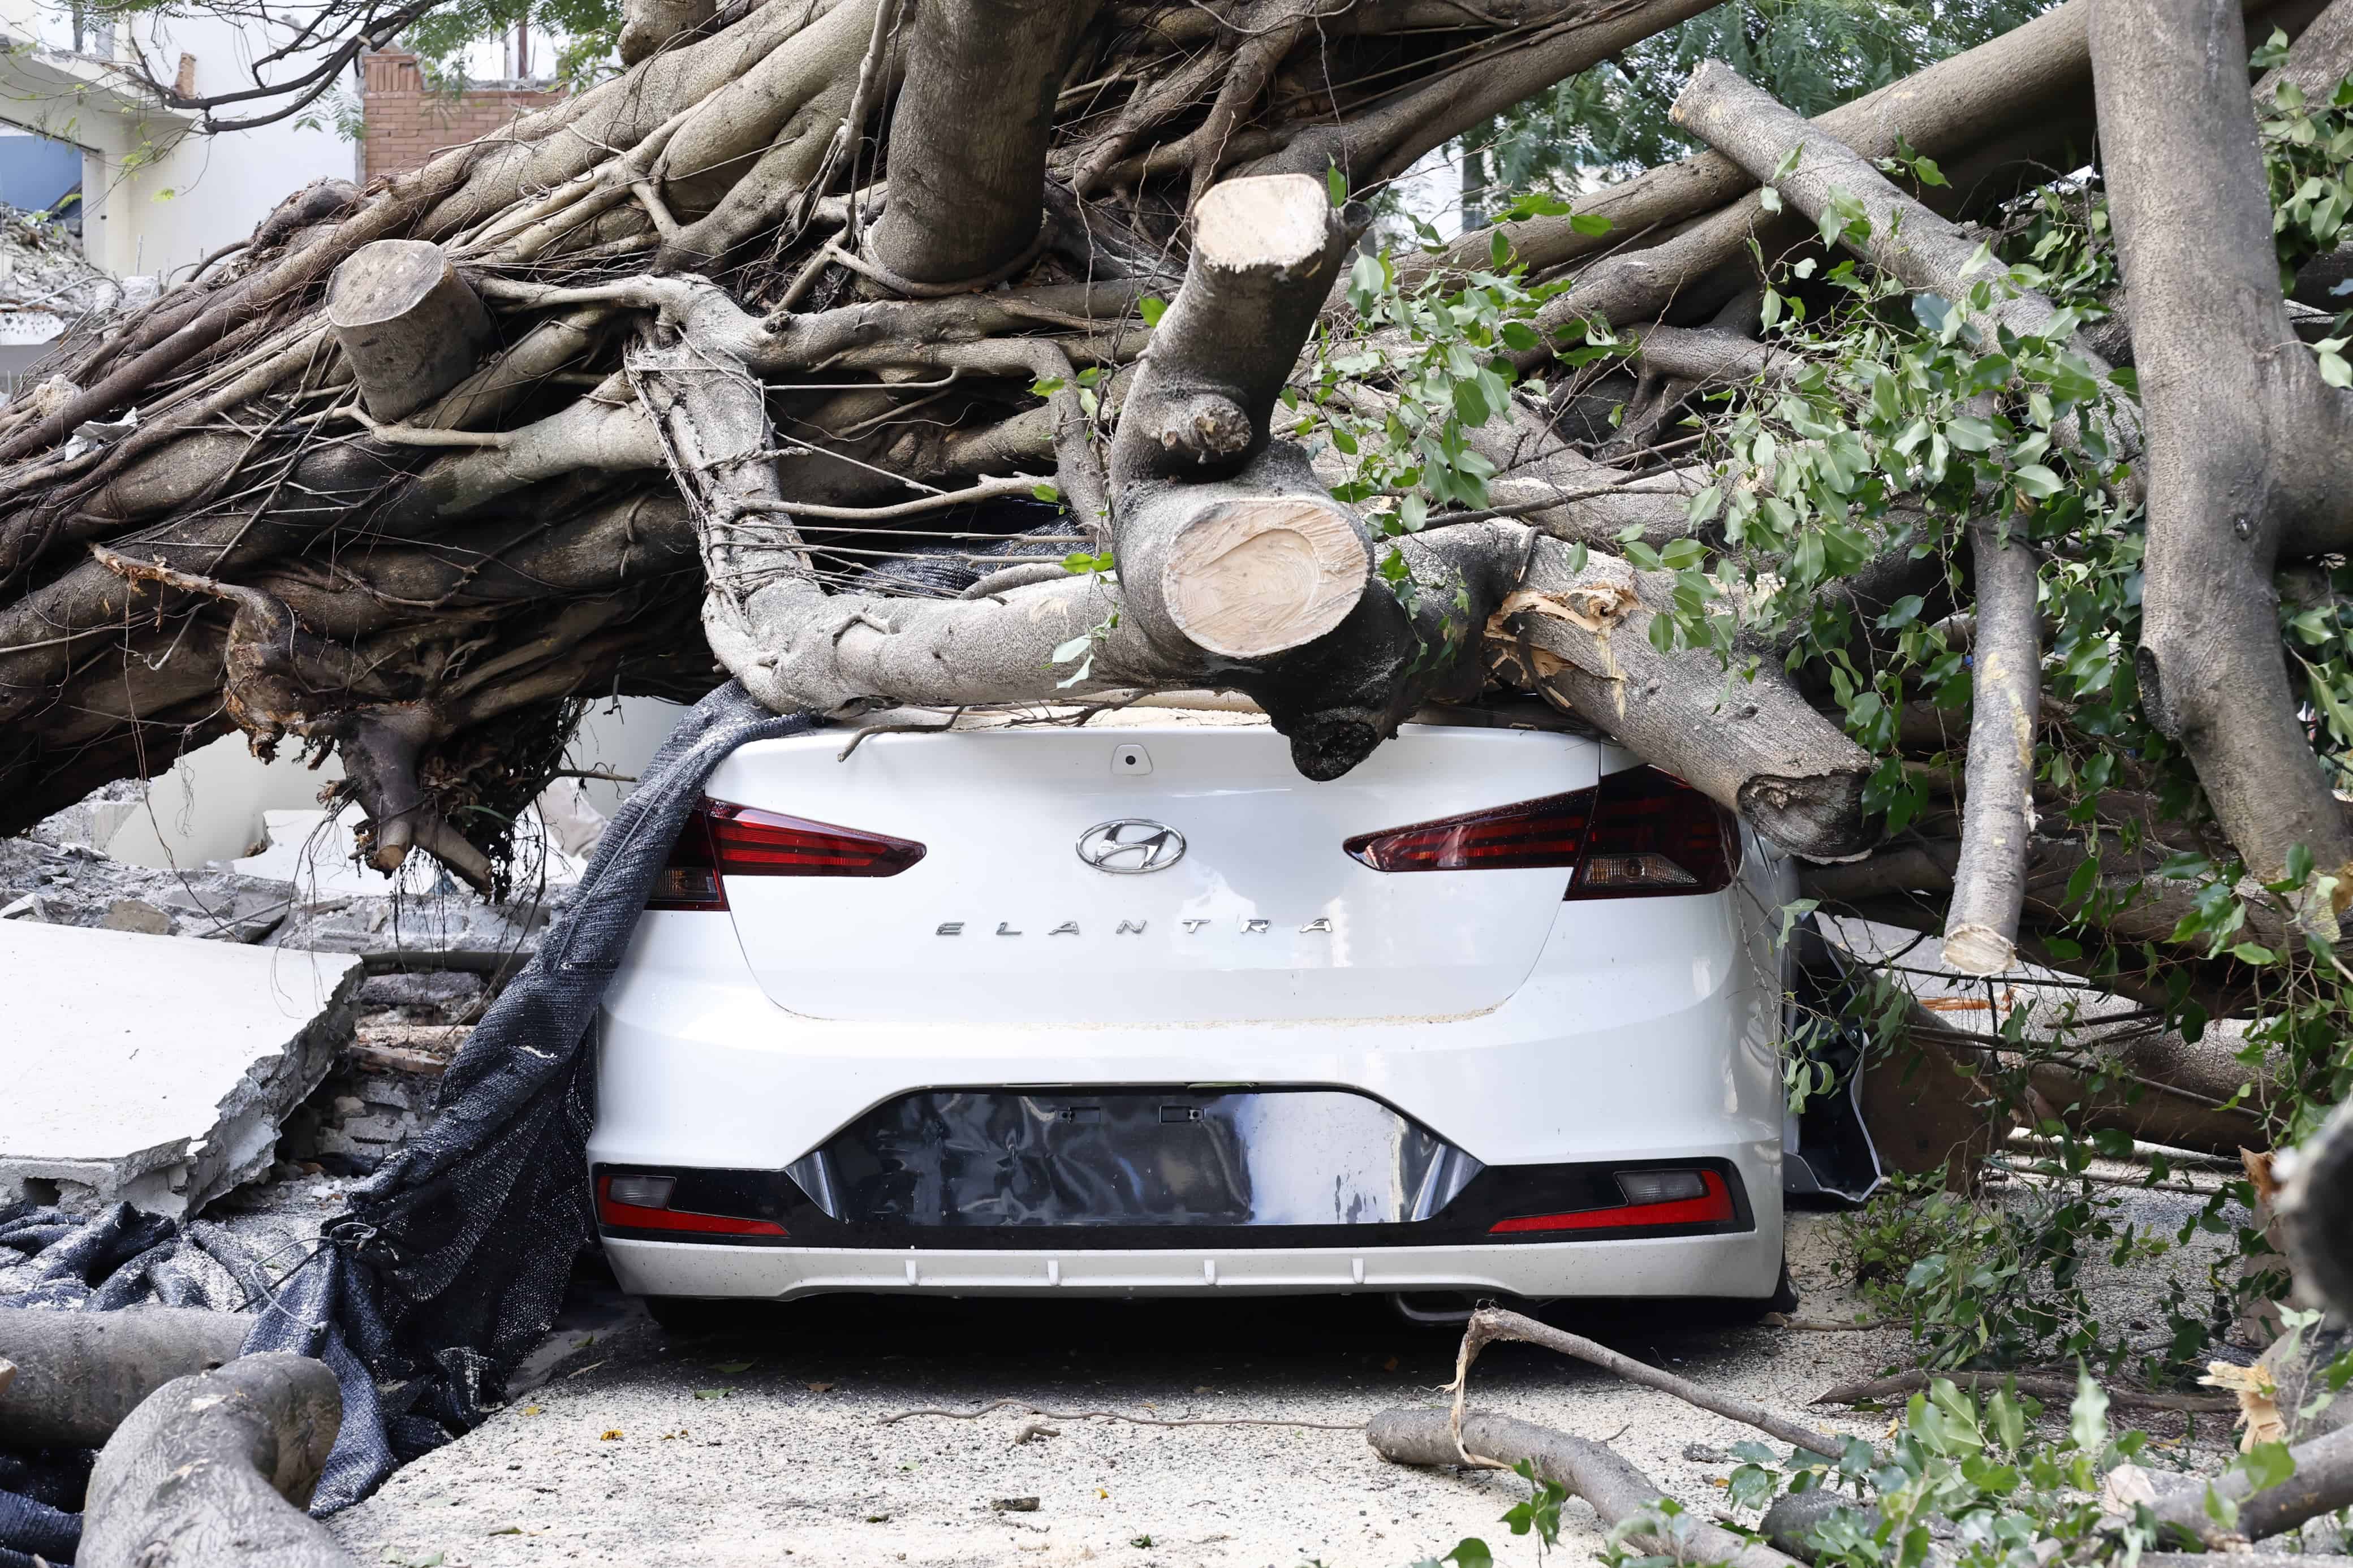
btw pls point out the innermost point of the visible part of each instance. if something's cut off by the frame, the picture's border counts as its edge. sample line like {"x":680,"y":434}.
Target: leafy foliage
{"x":2003,"y":1284}
{"x":1906,"y":417}
{"x":1812,"y":55}
{"x":590,"y":31}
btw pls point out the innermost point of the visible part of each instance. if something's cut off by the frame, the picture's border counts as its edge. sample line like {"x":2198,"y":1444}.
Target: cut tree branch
{"x":1997,"y":820}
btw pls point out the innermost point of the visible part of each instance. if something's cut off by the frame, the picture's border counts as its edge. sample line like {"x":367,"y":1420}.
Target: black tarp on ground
{"x":450,"y":1264}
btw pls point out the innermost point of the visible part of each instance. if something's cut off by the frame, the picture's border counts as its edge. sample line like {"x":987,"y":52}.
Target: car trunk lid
{"x":1177,"y":871}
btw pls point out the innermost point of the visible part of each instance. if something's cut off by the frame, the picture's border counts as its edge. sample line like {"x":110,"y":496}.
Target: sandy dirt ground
{"x":768,"y":1441}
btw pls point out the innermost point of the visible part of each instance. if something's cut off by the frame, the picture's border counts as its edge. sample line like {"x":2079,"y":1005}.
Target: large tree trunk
{"x":2248,"y":447}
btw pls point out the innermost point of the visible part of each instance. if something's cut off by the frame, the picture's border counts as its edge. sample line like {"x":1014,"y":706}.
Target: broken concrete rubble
{"x":155,"y":1071}
{"x":70,"y":884}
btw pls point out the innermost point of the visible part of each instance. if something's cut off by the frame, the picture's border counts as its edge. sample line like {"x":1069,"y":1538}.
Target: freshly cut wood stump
{"x":410,"y":326}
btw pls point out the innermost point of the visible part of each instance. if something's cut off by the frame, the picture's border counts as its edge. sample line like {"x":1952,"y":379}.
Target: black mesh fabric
{"x":450,"y":1262}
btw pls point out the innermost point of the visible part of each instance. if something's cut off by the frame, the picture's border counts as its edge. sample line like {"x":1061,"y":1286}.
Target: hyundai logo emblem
{"x":1131,"y":847}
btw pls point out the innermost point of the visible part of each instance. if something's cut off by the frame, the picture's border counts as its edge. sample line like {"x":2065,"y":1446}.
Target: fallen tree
{"x":994,"y":354}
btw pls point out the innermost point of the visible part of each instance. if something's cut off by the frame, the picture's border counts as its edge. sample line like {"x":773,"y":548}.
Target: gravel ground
{"x":766,"y":1441}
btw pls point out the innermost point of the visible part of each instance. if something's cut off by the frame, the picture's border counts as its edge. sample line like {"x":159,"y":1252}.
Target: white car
{"x":1134,"y":1009}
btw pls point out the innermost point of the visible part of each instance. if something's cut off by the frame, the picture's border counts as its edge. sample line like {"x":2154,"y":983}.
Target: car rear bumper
{"x":1746,"y":1265}
{"x":1654,"y":1040}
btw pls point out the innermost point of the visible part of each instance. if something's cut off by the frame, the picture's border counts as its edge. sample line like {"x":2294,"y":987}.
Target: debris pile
{"x":331,"y":1027}
{"x":121,"y":1091}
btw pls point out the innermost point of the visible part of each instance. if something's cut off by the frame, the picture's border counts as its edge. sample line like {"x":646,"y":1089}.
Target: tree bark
{"x":1923,"y":249}
{"x":2228,"y":395}
{"x":2323,"y":1483}
{"x":1585,"y":1469}
{"x":2040,"y":72}
{"x":218,"y":1468}
{"x":1997,"y":821}
{"x":81,"y":1375}
{"x":1745,"y":737}
{"x":969,"y":140}
{"x":2317,"y":1202}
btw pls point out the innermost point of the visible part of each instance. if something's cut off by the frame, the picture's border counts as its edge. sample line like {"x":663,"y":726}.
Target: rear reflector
{"x":613,"y":1208}
{"x":1638,"y":833}
{"x":721,"y":839}
{"x":1652,"y":1197}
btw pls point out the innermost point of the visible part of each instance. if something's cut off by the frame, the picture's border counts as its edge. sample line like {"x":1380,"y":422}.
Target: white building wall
{"x":157,"y":197}
{"x":209,"y":806}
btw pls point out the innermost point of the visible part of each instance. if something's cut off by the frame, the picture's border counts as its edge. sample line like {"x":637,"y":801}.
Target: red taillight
{"x":642,"y":1217}
{"x":1638,"y":833}
{"x":1710,"y":1204}
{"x":721,"y":838}
{"x":1533,"y":834}
{"x":1654,"y":834}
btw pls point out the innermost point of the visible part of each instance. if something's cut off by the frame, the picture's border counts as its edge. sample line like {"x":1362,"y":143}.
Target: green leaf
{"x":2087,"y":1417}
{"x":1591,"y":225}
{"x":1045,"y":489}
{"x":1970,"y":433}
{"x":2112,"y":1144}
{"x":2267,"y":1465}
{"x":1682,"y":554}
{"x":1470,"y":403}
{"x":1065,"y":652}
{"x":2253,"y":952}
{"x":1536,"y":204}
{"x":2324,"y":692}
{"x":1046,"y":386}
{"x":1792,"y":913}
{"x":1152,"y":306}
{"x":1336,"y":184}
{"x":1469,"y":1553}
{"x":2036,"y":480}
{"x":1642,"y":555}
{"x":1078,"y":563}
{"x":1925,"y":170}
{"x":1499,"y":249}
{"x":1769,"y":199}
{"x":731,"y":1367}
{"x":1788,"y":163}
{"x":2335,"y":371}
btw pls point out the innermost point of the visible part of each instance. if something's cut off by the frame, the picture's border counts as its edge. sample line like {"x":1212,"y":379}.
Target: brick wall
{"x":407,"y":124}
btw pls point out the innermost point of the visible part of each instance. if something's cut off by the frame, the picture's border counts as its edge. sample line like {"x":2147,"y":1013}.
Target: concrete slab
{"x":155,"y":1070}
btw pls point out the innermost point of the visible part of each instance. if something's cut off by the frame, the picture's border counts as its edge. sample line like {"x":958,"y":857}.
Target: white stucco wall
{"x":158,"y":198}
{"x":208,"y":806}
